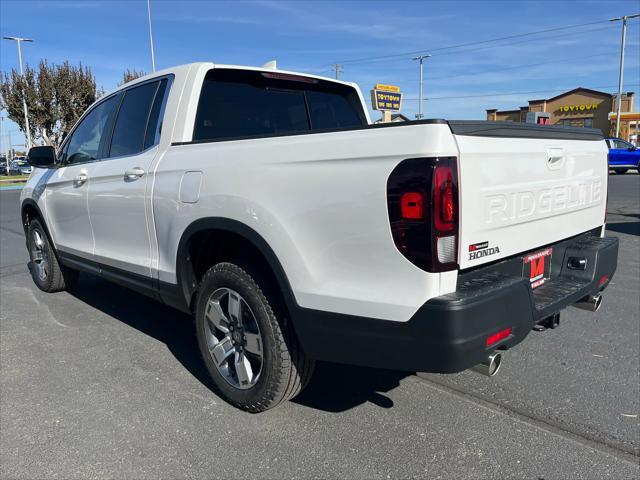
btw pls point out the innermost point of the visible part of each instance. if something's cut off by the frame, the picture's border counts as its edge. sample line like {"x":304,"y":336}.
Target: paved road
{"x":107,"y":383}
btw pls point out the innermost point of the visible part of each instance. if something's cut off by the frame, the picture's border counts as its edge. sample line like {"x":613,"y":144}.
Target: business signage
{"x":386,"y":98}
{"x":578,"y":108}
{"x":386,"y":88}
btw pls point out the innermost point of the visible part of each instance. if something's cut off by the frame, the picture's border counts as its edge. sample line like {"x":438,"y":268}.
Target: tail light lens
{"x":443,"y":202}
{"x":411,"y":205}
{"x":422,"y":201}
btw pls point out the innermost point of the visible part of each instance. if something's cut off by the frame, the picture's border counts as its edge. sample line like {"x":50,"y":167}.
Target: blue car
{"x":622,"y":155}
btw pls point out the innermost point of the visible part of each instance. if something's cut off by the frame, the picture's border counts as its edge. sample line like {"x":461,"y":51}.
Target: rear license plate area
{"x":537,"y":267}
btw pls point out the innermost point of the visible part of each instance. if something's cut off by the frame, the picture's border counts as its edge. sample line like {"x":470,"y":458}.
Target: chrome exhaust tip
{"x":490,"y":366}
{"x":590,"y":303}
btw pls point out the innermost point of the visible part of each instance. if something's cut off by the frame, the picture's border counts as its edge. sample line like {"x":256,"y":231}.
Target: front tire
{"x":620,"y":171}
{"x":48,"y":275}
{"x":252,"y":355}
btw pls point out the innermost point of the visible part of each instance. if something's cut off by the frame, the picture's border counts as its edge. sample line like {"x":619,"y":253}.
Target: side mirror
{"x":42,"y":157}
{"x":631,"y":149}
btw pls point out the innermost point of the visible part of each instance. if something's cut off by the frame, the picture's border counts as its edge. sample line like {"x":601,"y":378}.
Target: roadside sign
{"x":386,"y":88}
{"x":386,"y":98}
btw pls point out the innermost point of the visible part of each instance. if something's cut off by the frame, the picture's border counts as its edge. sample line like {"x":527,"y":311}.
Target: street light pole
{"x":19,"y":41}
{"x":153,"y":59}
{"x":620,"y":73}
{"x":420,"y":58}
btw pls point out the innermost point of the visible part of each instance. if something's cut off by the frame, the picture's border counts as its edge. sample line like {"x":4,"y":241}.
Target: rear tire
{"x":253,"y":356}
{"x":620,"y":171}
{"x":48,"y":275}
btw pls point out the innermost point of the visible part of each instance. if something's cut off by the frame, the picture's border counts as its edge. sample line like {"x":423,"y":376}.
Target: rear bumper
{"x":448,"y":333}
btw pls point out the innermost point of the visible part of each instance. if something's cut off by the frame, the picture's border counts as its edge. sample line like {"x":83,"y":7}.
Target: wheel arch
{"x":220,"y":228}
{"x":30,"y":210}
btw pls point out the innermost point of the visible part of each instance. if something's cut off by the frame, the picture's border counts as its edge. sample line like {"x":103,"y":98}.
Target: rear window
{"x":241,"y":104}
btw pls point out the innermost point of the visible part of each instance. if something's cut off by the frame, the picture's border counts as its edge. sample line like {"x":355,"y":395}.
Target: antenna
{"x":271,"y":64}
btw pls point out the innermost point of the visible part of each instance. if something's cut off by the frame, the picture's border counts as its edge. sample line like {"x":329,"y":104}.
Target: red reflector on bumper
{"x":604,"y":279}
{"x":496,"y":337}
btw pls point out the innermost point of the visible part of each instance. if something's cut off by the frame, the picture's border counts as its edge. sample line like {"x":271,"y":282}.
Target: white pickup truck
{"x":267,"y":204}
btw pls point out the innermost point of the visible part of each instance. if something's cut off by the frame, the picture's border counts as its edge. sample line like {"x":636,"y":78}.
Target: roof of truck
{"x":188,"y":66}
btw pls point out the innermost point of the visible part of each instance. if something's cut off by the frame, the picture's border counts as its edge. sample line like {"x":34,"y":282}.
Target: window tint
{"x":157,"y":113}
{"x":621,"y":144}
{"x":236,"y":104}
{"x":131,"y":123}
{"x":88,"y":138}
{"x":331,"y":110}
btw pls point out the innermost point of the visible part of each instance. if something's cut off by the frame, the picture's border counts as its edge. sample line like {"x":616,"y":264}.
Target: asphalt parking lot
{"x":103,"y":382}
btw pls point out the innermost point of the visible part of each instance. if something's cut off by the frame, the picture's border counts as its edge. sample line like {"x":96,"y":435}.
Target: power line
{"x":460,"y":45}
{"x":501,"y":94}
{"x":399,"y":57}
{"x":514,"y":67}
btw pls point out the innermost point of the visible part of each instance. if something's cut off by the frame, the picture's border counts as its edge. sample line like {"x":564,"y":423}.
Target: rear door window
{"x":131,"y":123}
{"x":243,"y":104}
{"x":154,"y":127}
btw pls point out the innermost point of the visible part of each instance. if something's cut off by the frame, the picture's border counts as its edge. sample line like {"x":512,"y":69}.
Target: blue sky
{"x":111,"y":36}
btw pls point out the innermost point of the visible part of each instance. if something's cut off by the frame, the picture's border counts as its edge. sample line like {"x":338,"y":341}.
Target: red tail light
{"x":443,"y":201}
{"x":411,"y":205}
{"x":422,"y":200}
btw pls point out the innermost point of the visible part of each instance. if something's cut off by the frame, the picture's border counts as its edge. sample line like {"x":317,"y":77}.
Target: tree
{"x":56,"y":97}
{"x":129,"y":75}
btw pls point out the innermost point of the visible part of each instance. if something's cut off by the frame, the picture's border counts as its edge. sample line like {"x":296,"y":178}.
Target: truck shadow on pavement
{"x":337,"y":388}
{"x":333,"y":387}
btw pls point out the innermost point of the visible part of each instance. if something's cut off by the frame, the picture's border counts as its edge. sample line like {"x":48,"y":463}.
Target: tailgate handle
{"x":555,"y":158}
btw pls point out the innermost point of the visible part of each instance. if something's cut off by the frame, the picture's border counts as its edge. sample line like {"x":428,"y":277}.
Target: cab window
{"x":131,"y":122}
{"x":88,"y":138}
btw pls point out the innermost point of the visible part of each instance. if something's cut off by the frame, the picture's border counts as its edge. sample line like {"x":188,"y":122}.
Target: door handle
{"x":80,"y":179}
{"x":133,"y":174}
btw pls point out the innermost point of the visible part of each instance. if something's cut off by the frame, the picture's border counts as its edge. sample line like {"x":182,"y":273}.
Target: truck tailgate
{"x":525,"y":186}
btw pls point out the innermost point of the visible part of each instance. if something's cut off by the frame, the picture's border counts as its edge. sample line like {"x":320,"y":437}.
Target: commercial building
{"x":580,"y":107}
{"x":395,"y":118}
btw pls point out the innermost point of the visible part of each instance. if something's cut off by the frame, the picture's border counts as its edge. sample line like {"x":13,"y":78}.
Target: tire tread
{"x":295,"y":367}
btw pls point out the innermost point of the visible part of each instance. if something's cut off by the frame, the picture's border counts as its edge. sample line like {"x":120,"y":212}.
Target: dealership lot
{"x":105,"y":382}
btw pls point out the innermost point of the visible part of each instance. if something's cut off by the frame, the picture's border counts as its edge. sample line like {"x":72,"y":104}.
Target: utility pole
{"x":420,"y":58}
{"x":2,"y":133}
{"x":153,"y":59}
{"x":19,"y":41}
{"x":338,"y":69}
{"x":620,"y":73}
{"x":2,"y":139}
